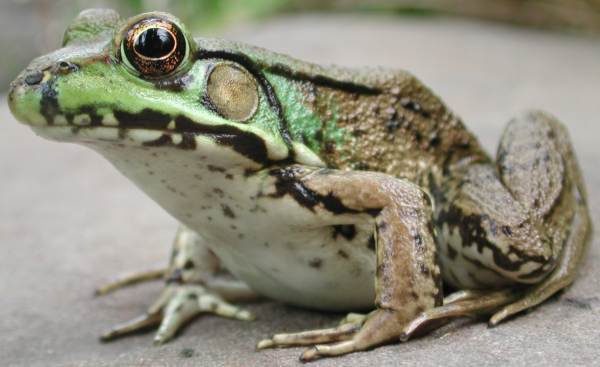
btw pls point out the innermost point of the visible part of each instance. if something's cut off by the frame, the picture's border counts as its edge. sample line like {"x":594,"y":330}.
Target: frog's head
{"x":146,"y":82}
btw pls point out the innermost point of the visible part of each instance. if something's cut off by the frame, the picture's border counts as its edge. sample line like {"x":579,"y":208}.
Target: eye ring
{"x":154,"y":47}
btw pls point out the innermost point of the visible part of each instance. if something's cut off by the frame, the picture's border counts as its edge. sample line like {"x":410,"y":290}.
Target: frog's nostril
{"x":34,"y":78}
{"x":65,"y":67}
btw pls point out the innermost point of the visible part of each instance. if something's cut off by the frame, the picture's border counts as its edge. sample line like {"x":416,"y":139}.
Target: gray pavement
{"x":69,"y":221}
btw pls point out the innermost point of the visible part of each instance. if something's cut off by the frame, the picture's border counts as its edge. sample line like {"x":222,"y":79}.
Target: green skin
{"x":361,"y":184}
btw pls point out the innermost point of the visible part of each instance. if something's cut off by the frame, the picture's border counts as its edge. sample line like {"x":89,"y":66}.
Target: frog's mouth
{"x":149,"y":128}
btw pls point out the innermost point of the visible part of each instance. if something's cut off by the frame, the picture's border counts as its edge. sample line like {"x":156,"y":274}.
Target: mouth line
{"x":119,"y":135}
{"x":154,"y":130}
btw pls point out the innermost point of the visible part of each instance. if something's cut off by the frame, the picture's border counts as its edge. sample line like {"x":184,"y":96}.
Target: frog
{"x":352,"y":190}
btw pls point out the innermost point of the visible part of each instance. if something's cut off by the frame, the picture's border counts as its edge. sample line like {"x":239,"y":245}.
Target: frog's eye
{"x":232,"y":91}
{"x":154,"y":47}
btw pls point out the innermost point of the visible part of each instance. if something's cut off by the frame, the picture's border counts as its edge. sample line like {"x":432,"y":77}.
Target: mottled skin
{"x":323,"y":187}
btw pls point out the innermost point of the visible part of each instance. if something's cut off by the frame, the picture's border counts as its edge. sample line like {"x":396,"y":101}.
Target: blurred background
{"x":33,"y":27}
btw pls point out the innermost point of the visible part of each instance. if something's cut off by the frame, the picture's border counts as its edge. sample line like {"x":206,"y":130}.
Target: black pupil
{"x":154,"y":43}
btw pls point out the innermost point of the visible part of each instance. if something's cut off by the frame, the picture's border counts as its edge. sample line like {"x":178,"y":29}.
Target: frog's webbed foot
{"x":177,"y":304}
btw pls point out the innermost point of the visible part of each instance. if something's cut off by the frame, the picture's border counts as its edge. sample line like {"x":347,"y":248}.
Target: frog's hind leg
{"x":567,"y":224}
{"x":522,"y":223}
{"x":192,"y":288}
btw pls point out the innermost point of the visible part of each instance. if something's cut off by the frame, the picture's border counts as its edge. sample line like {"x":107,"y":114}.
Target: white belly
{"x":279,"y":248}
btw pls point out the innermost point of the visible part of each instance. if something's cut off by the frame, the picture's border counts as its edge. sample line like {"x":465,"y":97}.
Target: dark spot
{"x":342,"y":254}
{"x":186,"y":353}
{"x":189,"y":264}
{"x":229,"y":176}
{"x":34,"y":78}
{"x":418,"y":240}
{"x":381,"y":227}
{"x":315,"y":263}
{"x":371,"y":243}
{"x":329,"y":147}
{"x":434,"y":141}
{"x":392,"y":124}
{"x":49,"y":103}
{"x":213,"y":168}
{"x":318,"y":136}
{"x":414,"y":106}
{"x":452,"y":253}
{"x":361,"y":166}
{"x":176,"y":277}
{"x":581,"y":303}
{"x":227,"y":211}
{"x":188,"y":141}
{"x":507,"y":231}
{"x":218,"y":191}
{"x":348,"y":231}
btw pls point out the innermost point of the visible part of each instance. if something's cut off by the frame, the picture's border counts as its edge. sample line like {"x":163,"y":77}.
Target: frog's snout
{"x":34,"y":91}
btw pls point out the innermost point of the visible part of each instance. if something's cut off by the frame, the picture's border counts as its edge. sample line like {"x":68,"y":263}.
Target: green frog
{"x":330,"y":188}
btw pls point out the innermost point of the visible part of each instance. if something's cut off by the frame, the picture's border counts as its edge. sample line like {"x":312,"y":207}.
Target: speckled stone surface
{"x":70,"y":222}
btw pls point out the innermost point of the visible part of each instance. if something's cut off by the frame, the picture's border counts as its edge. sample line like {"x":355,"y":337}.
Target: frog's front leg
{"x":192,"y":288}
{"x":407,"y":280}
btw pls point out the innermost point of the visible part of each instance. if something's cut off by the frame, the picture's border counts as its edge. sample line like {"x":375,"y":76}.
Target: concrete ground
{"x":70,"y":222}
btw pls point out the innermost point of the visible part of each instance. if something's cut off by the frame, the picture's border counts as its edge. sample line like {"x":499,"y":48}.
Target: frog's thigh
{"x":407,"y":279}
{"x":527,"y":224}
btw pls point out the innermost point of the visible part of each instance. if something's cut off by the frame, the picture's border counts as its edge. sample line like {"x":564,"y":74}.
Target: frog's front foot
{"x":177,"y":304}
{"x":355,"y":333}
{"x":192,"y":288}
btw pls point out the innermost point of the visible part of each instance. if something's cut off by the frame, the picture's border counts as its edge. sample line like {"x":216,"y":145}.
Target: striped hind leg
{"x":520,"y":225}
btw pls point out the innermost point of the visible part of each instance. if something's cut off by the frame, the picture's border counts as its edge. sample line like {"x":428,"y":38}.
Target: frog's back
{"x":360,"y":118}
